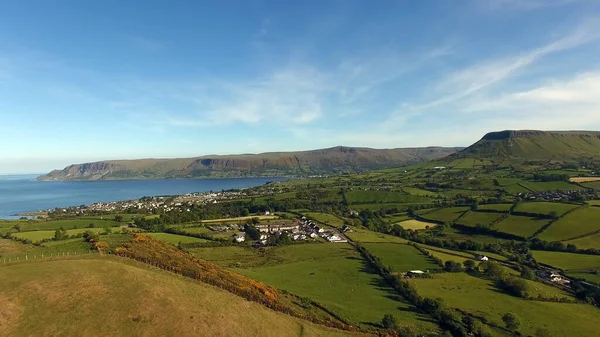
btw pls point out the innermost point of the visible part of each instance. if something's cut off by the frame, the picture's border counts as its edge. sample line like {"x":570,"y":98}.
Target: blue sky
{"x":114,"y":79}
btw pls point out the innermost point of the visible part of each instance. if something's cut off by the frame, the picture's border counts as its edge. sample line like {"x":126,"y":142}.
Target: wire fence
{"x":40,"y":256}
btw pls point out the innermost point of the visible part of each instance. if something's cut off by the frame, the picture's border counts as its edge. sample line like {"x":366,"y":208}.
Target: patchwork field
{"x":362,"y":235}
{"x":551,"y":186}
{"x":520,"y":225}
{"x":545,"y":208}
{"x":478,"y":218}
{"x":342,"y":283}
{"x":479,"y":297}
{"x":66,"y":297}
{"x":445,"y":214}
{"x":68,"y":224}
{"x":592,"y":241}
{"x":583,"y":179}
{"x":496,"y":207}
{"x":37,"y":236}
{"x":416,"y":224}
{"x":328,"y":219}
{"x":401,"y":258}
{"x":579,"y":222}
{"x":366,"y":197}
{"x":420,"y":192}
{"x":567,"y":261}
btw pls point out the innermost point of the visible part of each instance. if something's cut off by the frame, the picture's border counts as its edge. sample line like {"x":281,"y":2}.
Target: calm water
{"x":22,"y":193}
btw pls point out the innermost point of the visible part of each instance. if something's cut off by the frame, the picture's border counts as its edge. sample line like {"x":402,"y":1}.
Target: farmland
{"x":568,"y":261}
{"x":544,"y":208}
{"x":579,"y":222}
{"x":401,"y":258}
{"x":592,"y":241}
{"x":445,"y":214}
{"x":38,"y":299}
{"x":478,"y":218}
{"x":68,"y":224}
{"x":495,"y":207}
{"x":583,"y":179}
{"x":37,"y":236}
{"x":361,"y":235}
{"x":325,"y":218}
{"x":343,"y":284}
{"x":477,"y":296}
{"x":550,"y":186}
{"x":416,"y":224}
{"x":521,"y":225}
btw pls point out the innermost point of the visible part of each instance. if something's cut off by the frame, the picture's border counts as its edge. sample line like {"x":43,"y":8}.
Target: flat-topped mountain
{"x":536,"y":145}
{"x":303,"y":163}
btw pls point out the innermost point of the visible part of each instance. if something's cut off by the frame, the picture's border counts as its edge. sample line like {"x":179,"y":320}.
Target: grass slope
{"x":567,"y":261}
{"x":401,"y":258}
{"x":579,"y":222}
{"x":521,"y":225}
{"x":479,"y":297}
{"x":108,"y":296}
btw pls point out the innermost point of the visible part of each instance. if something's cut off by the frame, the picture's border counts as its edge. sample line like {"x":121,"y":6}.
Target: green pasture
{"x":574,"y":224}
{"x":544,"y":208}
{"x":567,"y":261}
{"x":495,"y":207}
{"x":551,"y":186}
{"x":328,"y":219}
{"x":420,"y":192}
{"x":401,"y":257}
{"x":344,"y":285}
{"x":587,"y":242}
{"x":480,"y":298}
{"x":363,"y":235}
{"x":69,"y":224}
{"x":445,"y":214}
{"x":520,"y":225}
{"x":478,"y":218}
{"x":416,"y":224}
{"x":37,"y":236}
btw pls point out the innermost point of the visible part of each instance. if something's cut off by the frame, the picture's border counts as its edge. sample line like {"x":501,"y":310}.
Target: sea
{"x":23,"y":193}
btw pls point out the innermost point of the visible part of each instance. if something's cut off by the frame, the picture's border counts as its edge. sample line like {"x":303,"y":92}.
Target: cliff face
{"x":326,"y":161}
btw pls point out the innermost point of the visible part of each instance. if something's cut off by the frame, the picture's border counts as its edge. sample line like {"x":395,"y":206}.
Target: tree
{"x":252,"y":232}
{"x":514,"y":286}
{"x":91,"y":237}
{"x":492,"y":269}
{"x":245,"y":212}
{"x":527,"y":273}
{"x":60,"y":234}
{"x":469,"y":265}
{"x":511,"y":321}
{"x":17,"y":227}
{"x":542,"y":332}
{"x":118,"y":218}
{"x":91,"y":225}
{"x":389,"y":322}
{"x":453,"y":267}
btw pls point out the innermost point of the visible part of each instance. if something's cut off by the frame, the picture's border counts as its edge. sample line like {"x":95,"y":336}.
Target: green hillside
{"x":305,"y":163}
{"x":536,"y":145}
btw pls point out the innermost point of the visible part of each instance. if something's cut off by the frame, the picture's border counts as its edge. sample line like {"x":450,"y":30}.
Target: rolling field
{"x":67,"y":297}
{"x":594,"y":278}
{"x":37,"y":236}
{"x":594,"y":202}
{"x":174,"y":239}
{"x":328,"y":219}
{"x":416,"y":224}
{"x":592,"y":241}
{"x":448,"y":257}
{"x":496,"y":207}
{"x":420,"y":192}
{"x":544,"y":208}
{"x":583,"y":179}
{"x":520,"y":225}
{"x":479,"y":297}
{"x":203,"y":230}
{"x":594,"y":184}
{"x":567,"y":261}
{"x":579,"y":222}
{"x":68,"y":224}
{"x":478,"y":218}
{"x":363,"y":235}
{"x":366,"y":197}
{"x":401,"y":258}
{"x":445,"y":214}
{"x":242,"y":218}
{"x":551,"y":186}
{"x":343,"y":284}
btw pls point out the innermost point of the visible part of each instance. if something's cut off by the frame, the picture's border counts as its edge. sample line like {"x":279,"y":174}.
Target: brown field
{"x":583,"y":179}
{"x":416,"y":224}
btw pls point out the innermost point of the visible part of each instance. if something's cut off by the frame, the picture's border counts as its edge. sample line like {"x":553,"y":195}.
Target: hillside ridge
{"x":334,"y":160}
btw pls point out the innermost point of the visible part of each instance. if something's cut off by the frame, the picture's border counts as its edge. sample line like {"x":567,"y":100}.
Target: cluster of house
{"x":553,"y":276}
{"x":297,"y":231}
{"x":552,"y":195}
{"x":165,"y":204}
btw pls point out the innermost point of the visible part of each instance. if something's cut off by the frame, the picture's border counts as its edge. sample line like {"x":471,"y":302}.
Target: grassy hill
{"x":536,"y":145}
{"x":118,"y":297}
{"x":305,"y":163}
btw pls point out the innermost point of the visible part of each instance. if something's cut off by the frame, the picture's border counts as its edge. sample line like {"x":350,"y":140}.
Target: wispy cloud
{"x":525,"y":4}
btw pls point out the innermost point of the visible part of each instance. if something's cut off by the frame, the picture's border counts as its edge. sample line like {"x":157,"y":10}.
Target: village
{"x":300,"y":230}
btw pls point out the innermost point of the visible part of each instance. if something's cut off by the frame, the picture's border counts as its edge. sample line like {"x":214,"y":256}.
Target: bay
{"x":22,"y":193}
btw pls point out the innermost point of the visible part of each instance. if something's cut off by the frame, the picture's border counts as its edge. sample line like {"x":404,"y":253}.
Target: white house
{"x":483,"y":258}
{"x":239,"y":237}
